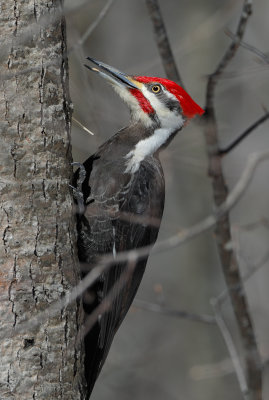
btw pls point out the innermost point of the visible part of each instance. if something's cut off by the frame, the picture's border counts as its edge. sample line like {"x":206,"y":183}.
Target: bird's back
{"x":123,"y":212}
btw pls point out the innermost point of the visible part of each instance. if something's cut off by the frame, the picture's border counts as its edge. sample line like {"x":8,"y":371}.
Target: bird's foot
{"x":77,"y":191}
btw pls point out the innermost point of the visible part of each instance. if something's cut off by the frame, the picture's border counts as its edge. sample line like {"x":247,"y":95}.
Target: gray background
{"x":156,"y":356}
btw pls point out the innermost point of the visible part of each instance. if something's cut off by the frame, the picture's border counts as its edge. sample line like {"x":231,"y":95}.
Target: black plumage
{"x":122,"y":212}
{"x":123,"y":199}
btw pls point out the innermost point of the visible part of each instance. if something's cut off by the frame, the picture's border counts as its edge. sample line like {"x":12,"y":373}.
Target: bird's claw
{"x":77,"y":191}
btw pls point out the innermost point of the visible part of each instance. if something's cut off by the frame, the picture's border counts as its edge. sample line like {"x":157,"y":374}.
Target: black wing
{"x":114,"y":221}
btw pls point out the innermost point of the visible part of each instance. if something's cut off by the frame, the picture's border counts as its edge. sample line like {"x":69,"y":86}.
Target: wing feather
{"x":117,"y":218}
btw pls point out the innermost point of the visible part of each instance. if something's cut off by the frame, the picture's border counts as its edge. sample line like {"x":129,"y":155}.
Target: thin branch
{"x":179,"y":239}
{"x":250,"y":48}
{"x":228,"y":260}
{"x":263,"y":221}
{"x":94,"y":25}
{"x":170,"y":312}
{"x":237,"y":287}
{"x":107,"y":302}
{"x":250,"y":266}
{"x":243,"y":135}
{"x":231,"y":348}
{"x":229,"y":54}
{"x":60,"y":304}
{"x":162,"y":41}
{"x":82,"y":126}
{"x":71,"y":8}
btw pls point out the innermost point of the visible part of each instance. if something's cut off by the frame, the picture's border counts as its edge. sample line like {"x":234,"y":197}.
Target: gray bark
{"x":38,"y":262}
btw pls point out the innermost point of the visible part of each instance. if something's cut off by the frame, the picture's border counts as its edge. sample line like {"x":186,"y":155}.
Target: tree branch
{"x":170,"y":312}
{"x":93,"y":26}
{"x":107,"y":302}
{"x":162,"y":41}
{"x":231,"y":348}
{"x":228,"y":260}
{"x":228,"y":55}
{"x":179,"y":239}
{"x":243,"y":135}
{"x":250,"y":48}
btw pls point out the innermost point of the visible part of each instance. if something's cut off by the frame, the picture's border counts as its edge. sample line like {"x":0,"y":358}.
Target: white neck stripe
{"x":170,"y":122}
{"x":145,"y":148}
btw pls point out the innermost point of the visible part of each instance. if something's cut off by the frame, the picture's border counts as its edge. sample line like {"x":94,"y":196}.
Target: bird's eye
{"x":156,"y":88}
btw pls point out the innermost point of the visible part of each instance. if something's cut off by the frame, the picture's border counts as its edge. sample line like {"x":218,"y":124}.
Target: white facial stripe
{"x":167,"y":118}
{"x":170,"y":122}
{"x":137,"y":113}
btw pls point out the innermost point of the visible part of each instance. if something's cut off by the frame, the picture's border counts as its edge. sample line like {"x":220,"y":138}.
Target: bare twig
{"x":224,"y":294}
{"x":256,"y":224}
{"x":64,"y":301}
{"x":228,"y":260}
{"x":82,"y":126}
{"x":107,"y":302}
{"x":170,"y":312}
{"x":179,"y":239}
{"x":228,"y":55}
{"x":249,"y":47}
{"x":243,"y":135}
{"x":250,"y":266}
{"x":93,"y":26}
{"x":162,"y":41}
{"x":231,"y":348}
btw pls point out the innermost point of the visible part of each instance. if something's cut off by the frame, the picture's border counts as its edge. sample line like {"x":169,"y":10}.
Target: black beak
{"x":111,"y":74}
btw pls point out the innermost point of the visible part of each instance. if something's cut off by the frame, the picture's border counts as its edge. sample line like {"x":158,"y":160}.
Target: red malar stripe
{"x":144,"y":103}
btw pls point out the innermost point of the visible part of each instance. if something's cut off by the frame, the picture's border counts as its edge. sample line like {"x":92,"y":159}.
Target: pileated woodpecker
{"x":123,"y":194}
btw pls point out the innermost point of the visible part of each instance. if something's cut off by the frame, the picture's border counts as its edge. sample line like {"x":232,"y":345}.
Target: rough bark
{"x":37,"y":256}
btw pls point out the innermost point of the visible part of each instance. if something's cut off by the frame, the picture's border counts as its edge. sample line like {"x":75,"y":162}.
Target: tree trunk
{"x":38,"y":262}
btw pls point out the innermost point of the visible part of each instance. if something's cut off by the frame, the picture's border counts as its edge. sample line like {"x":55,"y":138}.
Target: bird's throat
{"x":147,"y":147}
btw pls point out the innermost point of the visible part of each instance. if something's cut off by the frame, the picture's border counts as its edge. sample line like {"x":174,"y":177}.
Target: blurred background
{"x":153,"y":355}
